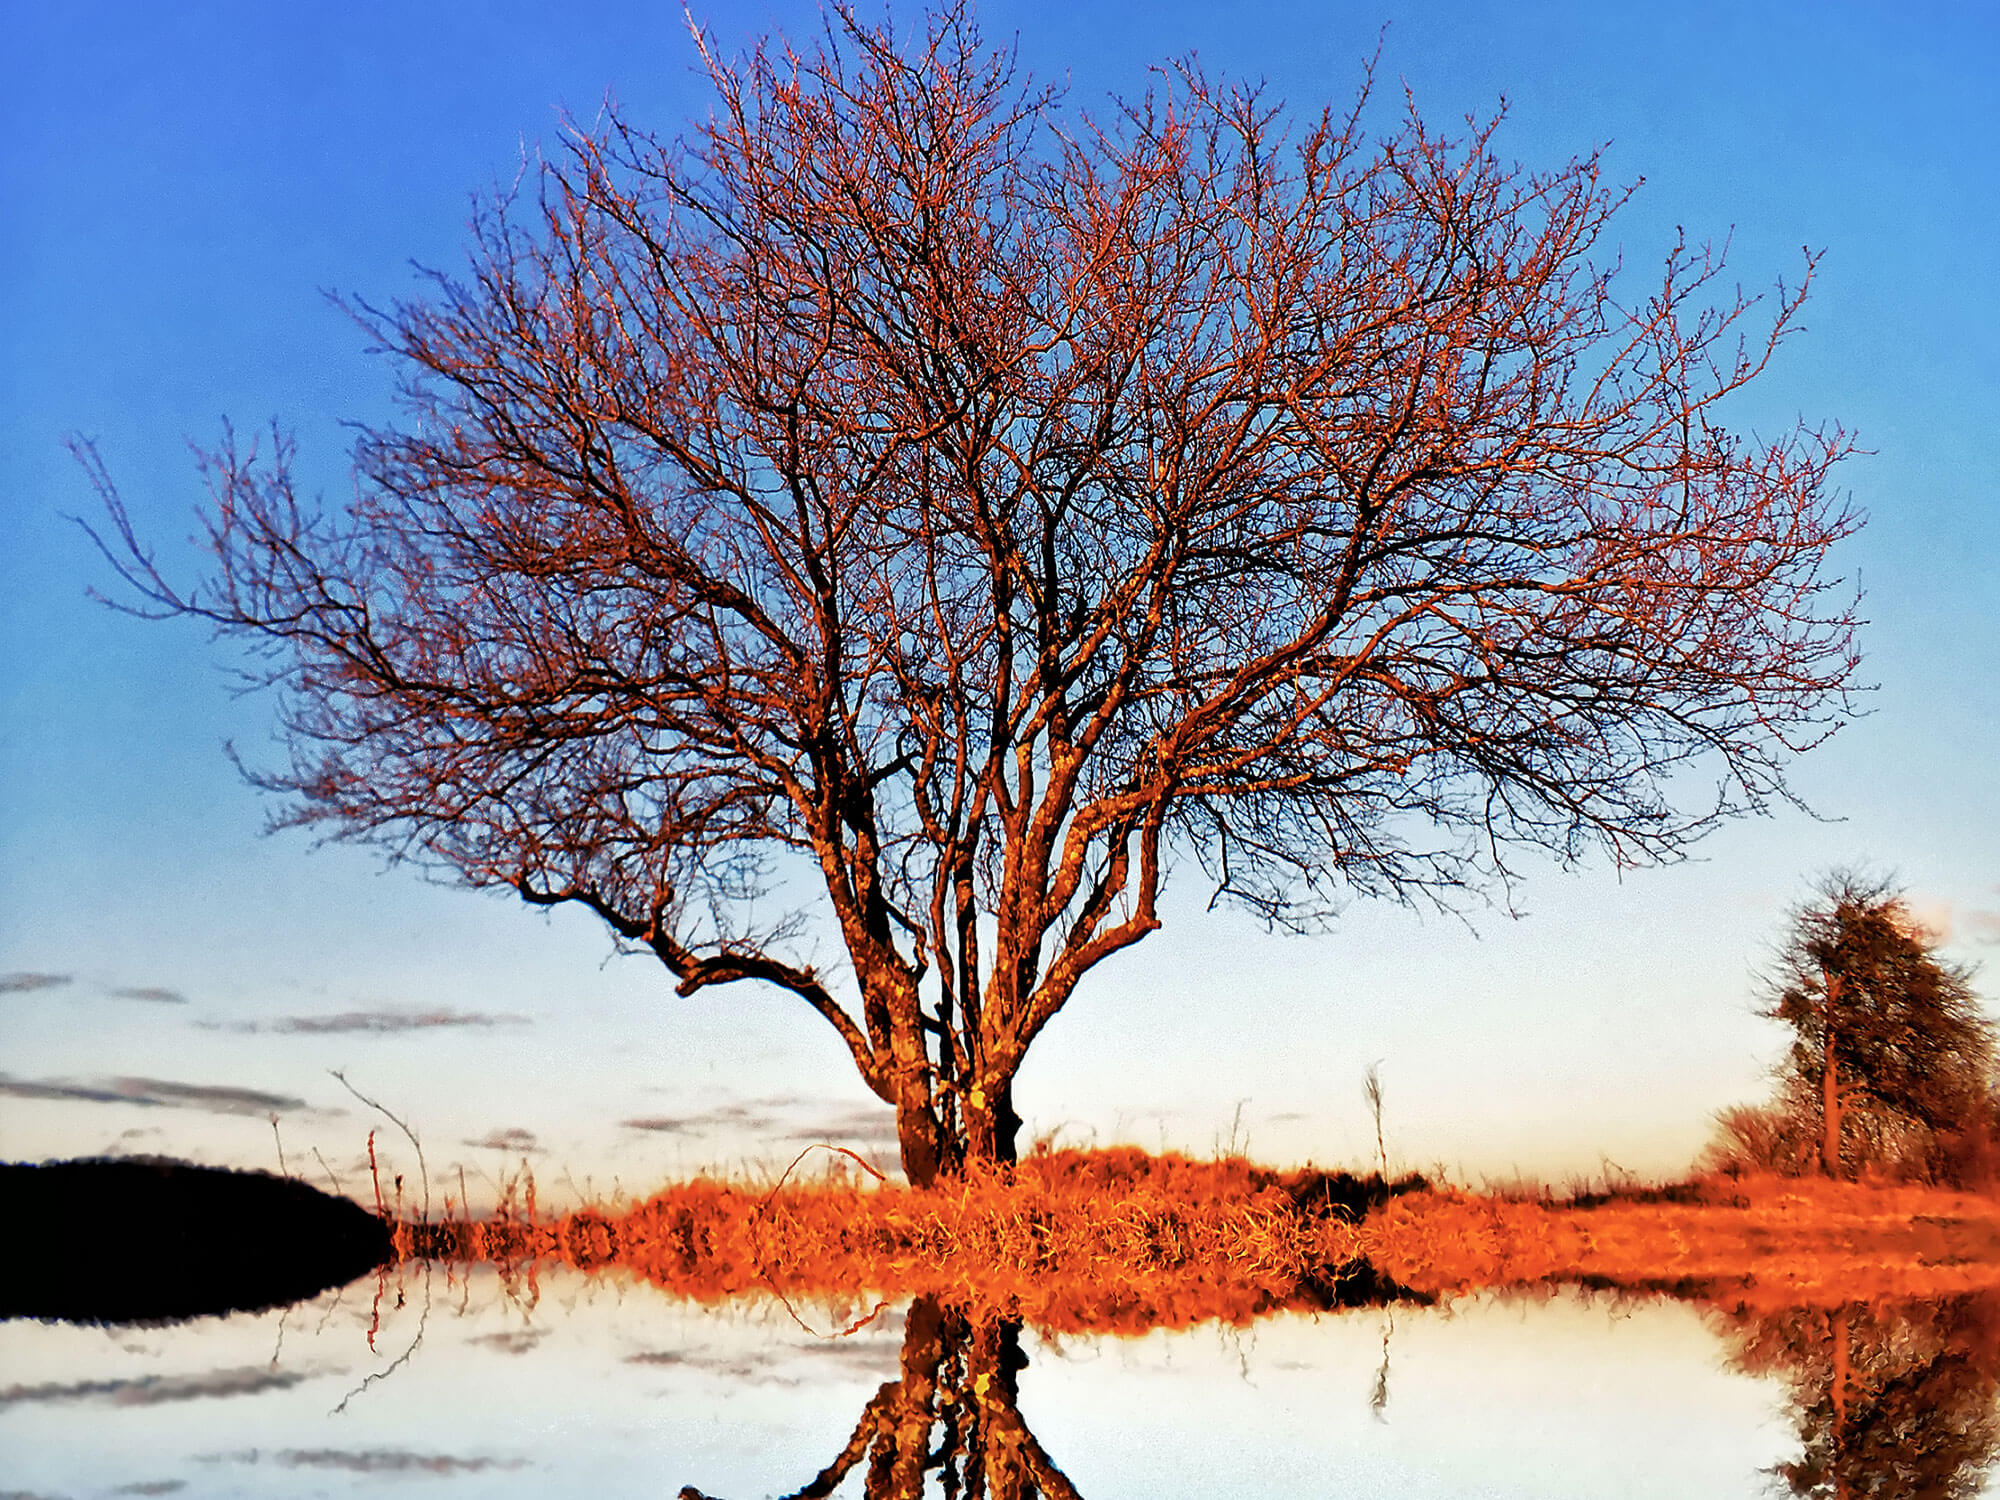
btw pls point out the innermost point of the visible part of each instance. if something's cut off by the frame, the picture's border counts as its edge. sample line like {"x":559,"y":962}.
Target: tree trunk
{"x":1829,"y":1146}
{"x":917,"y":1129}
{"x":991,"y":1125}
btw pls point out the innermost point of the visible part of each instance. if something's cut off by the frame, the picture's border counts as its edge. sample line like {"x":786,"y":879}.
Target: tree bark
{"x":991,"y":1125}
{"x":917,"y":1132}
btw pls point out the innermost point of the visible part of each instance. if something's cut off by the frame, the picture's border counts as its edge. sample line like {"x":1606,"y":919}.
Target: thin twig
{"x":423,"y":1319}
{"x":337,"y":1188}
{"x":400,"y":1124}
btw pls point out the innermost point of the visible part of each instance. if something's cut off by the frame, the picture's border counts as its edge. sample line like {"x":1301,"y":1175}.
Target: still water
{"x":436,"y":1382}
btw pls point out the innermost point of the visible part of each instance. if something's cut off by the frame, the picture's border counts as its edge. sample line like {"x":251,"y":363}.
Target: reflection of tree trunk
{"x":1829,"y":1146}
{"x":960,"y":1377}
{"x":1841,"y":1325}
{"x":1890,"y":1399}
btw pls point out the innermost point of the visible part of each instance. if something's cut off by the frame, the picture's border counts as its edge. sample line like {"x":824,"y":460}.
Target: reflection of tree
{"x":1897,"y":1399}
{"x":954,"y":1412}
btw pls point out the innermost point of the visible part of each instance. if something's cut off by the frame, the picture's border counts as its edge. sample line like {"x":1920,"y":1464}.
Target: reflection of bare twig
{"x":400,"y":1360}
{"x":331,"y":1308}
{"x":401,"y":1125}
{"x":279,"y":1347}
{"x":757,"y":1242}
{"x":1378,"y":1399}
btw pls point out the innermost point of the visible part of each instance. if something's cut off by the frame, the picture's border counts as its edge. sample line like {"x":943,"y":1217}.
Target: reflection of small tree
{"x":1894,"y":1400}
{"x":1892,"y":1060}
{"x":954,"y":1411}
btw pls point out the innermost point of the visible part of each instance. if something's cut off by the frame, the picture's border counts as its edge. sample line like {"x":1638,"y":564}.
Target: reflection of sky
{"x":603,"y":1390}
{"x":179,"y":183}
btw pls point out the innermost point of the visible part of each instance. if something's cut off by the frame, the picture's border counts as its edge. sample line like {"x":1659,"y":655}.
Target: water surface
{"x":431,"y":1381}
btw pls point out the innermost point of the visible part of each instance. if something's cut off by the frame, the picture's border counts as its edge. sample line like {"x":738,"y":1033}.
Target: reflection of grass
{"x":1122,"y":1240}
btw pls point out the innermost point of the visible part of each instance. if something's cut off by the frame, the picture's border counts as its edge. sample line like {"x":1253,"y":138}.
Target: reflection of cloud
{"x":511,"y":1140}
{"x":740,"y":1370}
{"x":789,"y":1120}
{"x":511,"y":1340}
{"x":158,"y":994}
{"x":152,"y":1487}
{"x":873,"y":1351}
{"x":743,"y":1370}
{"x":381,"y":1022}
{"x":152,"y":1093}
{"x":21,"y":981}
{"x":1983,"y":926}
{"x":156,"y":1390}
{"x":369,"y":1460}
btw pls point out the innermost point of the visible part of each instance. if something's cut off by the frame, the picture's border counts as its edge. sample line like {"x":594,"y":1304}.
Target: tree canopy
{"x":987,"y":508}
{"x":1888,"y":1038}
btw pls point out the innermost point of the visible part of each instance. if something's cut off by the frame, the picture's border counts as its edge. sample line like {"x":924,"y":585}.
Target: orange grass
{"x":1067,"y":1240}
{"x":1122,"y":1241}
{"x":1774,"y":1241}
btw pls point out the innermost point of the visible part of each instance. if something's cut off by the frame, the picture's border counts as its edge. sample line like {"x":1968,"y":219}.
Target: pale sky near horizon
{"x":180,"y":185}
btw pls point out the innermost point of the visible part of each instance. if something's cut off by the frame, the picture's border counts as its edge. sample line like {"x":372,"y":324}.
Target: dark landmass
{"x":146,"y":1240}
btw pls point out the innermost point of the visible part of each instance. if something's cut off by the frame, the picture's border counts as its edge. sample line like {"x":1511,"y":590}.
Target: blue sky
{"x":180,"y":185}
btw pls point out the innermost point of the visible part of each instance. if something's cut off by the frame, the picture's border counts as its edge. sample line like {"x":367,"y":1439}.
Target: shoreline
{"x":1109,"y":1238}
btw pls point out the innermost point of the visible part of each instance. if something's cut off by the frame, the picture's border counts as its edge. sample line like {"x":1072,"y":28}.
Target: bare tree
{"x":985,"y":508}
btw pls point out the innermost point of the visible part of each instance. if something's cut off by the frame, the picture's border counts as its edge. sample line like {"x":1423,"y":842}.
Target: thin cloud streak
{"x":22,"y":982}
{"x":772,"y":1122}
{"x":381,"y":1022}
{"x":156,"y":994}
{"x":512,"y":1140}
{"x":152,"y":1093}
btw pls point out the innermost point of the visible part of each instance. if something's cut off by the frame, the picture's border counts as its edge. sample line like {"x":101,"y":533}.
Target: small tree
{"x":1892,"y":1059}
{"x":983,"y":510}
